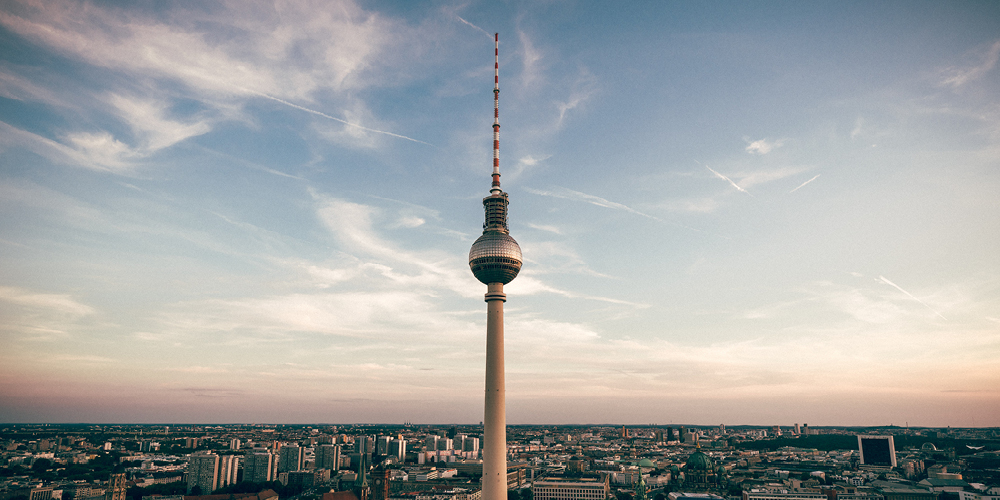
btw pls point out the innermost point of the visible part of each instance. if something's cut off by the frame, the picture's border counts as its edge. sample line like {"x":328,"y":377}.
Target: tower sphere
{"x":495,"y":258}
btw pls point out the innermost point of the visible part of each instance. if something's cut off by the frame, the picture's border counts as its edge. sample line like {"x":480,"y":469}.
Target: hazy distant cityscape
{"x":443,"y":462}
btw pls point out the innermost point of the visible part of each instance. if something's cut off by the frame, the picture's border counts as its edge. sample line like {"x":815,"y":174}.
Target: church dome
{"x":646,"y":463}
{"x":699,"y":461}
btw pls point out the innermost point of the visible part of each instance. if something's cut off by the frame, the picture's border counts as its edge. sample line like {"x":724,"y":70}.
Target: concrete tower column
{"x":495,"y":260}
{"x":495,"y":420}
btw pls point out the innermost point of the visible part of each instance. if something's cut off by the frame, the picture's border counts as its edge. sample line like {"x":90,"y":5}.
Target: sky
{"x":730,"y":212}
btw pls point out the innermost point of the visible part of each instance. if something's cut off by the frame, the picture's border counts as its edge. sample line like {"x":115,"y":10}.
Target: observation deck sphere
{"x":495,"y":258}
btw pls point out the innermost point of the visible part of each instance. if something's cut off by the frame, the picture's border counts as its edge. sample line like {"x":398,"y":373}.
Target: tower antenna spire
{"x":495,"y":260}
{"x":495,"y":188}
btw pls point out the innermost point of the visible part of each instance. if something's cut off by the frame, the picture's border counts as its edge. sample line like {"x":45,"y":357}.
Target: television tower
{"x":495,"y":259}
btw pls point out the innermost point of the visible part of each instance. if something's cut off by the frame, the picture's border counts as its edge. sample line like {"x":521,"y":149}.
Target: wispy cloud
{"x":525,"y":284}
{"x":550,"y":257}
{"x":856,"y":131}
{"x":804,"y":183}
{"x":262,"y":57}
{"x":97,"y":151}
{"x":59,"y":303}
{"x":353,"y":224}
{"x":527,"y":162}
{"x":583,"y":89}
{"x":530,"y":58}
{"x":148,"y":118}
{"x":696,"y":205}
{"x":543,"y":227}
{"x":78,"y":358}
{"x":958,"y":76}
{"x":198,"y":369}
{"x":41,"y":317}
{"x":288,"y":54}
{"x":762,"y":146}
{"x":754,"y":177}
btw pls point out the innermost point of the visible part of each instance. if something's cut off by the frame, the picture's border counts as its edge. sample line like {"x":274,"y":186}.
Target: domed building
{"x":700,"y":472}
{"x":646,"y":463}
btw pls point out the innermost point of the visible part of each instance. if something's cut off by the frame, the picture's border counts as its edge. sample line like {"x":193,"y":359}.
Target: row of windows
{"x":567,"y":495}
{"x":494,"y":262}
{"x":541,"y":496}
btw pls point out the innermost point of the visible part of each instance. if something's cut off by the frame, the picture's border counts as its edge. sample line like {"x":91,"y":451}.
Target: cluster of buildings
{"x":552,"y":463}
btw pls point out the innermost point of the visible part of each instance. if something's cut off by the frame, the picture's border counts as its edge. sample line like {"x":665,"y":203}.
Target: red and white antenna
{"x":495,"y":189}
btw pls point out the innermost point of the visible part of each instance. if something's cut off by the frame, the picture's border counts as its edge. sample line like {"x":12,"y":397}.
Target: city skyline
{"x":739,"y":214}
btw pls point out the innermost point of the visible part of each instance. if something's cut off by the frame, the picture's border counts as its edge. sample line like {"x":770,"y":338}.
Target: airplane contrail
{"x":885,"y":280}
{"x":569,"y":194}
{"x":727,"y":179}
{"x":474,"y":26}
{"x":334,"y":118}
{"x":803,"y":184}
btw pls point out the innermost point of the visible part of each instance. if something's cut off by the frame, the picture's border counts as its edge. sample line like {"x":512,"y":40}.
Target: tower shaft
{"x":495,"y":260}
{"x":495,"y":420}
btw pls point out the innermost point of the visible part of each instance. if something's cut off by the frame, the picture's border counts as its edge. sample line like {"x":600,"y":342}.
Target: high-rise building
{"x":203,"y":471}
{"x":470,"y":444}
{"x":364,"y":445}
{"x":495,"y":260}
{"x":258,"y":467}
{"x":308,"y":478}
{"x":234,"y":444}
{"x":328,"y":456}
{"x":290,"y":458}
{"x":382,"y":445}
{"x":397,"y":448}
{"x":431,"y":442}
{"x":878,"y":451}
{"x":445,"y":444}
{"x":229,"y":466}
{"x":117,"y":486}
